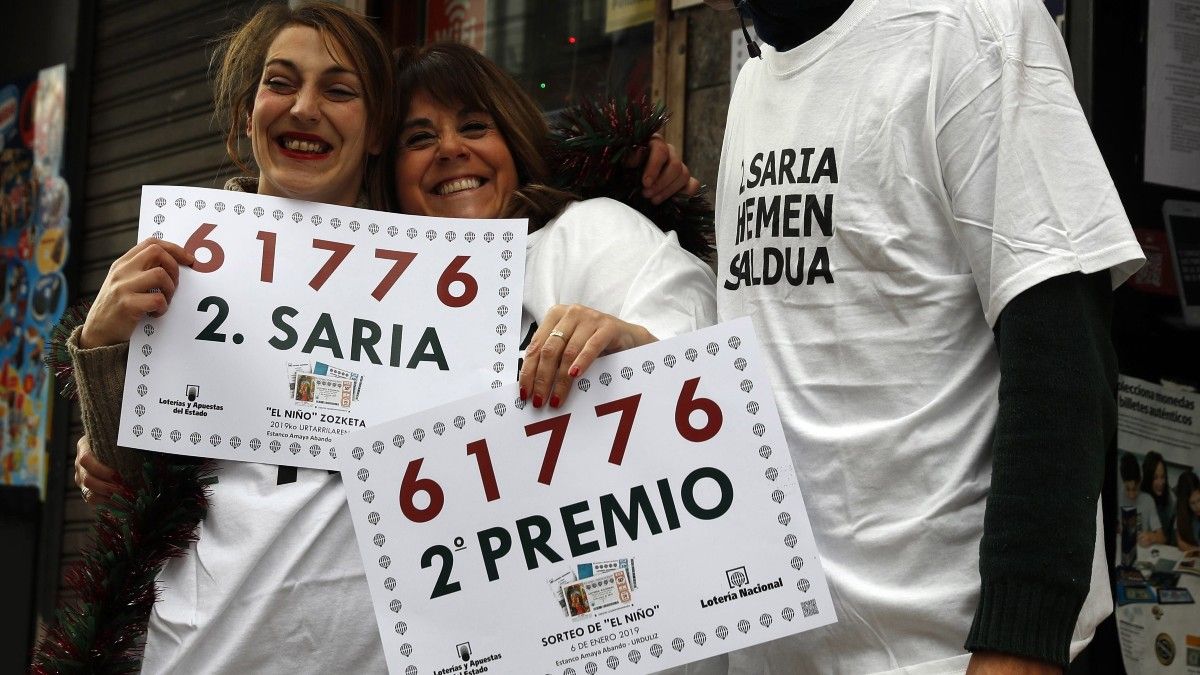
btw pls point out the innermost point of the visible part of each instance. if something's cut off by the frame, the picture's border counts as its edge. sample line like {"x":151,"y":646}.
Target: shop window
{"x":561,"y":52}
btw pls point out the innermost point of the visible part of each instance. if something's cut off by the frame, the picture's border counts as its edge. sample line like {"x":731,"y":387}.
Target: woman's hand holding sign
{"x":139,"y":283}
{"x":566,"y":343}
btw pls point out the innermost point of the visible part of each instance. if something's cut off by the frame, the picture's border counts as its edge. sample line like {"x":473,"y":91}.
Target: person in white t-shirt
{"x":912,"y":210}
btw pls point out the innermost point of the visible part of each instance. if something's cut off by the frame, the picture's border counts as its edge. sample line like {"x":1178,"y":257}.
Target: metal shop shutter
{"x":150,"y":122}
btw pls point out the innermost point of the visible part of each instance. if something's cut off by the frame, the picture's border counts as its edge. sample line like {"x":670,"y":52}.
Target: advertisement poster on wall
{"x":1172,"y":142}
{"x":1158,"y":538}
{"x":33,"y":249}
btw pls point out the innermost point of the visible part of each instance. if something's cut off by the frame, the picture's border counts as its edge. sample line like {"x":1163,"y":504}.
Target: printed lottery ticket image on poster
{"x":326,"y":392}
{"x":598,"y":595}
{"x":300,"y":323}
{"x":653,"y":520}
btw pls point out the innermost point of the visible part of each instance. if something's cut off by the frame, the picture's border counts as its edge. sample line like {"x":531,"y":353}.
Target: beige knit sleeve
{"x":100,"y":380}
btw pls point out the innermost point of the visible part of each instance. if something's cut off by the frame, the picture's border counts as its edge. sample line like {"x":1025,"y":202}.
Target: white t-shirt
{"x":604,"y":255}
{"x":274,"y":583}
{"x":885,"y":189}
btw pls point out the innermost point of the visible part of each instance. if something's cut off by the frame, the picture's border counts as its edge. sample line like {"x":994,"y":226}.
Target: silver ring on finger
{"x":87,"y":494}
{"x":558,"y":334}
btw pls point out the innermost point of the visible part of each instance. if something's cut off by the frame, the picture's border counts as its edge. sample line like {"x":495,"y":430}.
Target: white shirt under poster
{"x":654,"y":520}
{"x":1173,"y":94}
{"x":302,"y":322}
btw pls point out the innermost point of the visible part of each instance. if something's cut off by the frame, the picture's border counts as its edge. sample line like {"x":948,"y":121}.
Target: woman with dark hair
{"x":601,"y":277}
{"x":1154,"y":483}
{"x":1187,"y":512}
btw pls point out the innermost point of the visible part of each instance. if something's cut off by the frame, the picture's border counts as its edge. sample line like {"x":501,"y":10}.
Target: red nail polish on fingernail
{"x":523,"y":394}
{"x":537,"y":401}
{"x":554,"y":401}
{"x":573,"y":371}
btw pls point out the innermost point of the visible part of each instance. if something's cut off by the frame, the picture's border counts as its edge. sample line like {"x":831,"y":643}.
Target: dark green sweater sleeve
{"x":1057,"y":419}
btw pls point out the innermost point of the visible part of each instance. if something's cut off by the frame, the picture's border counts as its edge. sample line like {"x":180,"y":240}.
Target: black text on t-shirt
{"x":783,"y":215}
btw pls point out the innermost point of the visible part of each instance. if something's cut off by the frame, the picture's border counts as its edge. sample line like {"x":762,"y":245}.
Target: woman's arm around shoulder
{"x":608,"y":256}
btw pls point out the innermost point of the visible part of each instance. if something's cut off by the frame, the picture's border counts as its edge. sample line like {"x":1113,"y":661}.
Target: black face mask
{"x":784,"y":24}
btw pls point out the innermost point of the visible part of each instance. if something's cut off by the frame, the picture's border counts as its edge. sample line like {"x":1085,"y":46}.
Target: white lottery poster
{"x":654,"y":520}
{"x":303,"y":322}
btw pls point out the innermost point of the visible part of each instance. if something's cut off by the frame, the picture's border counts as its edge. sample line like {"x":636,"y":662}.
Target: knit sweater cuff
{"x":100,"y":379}
{"x":1025,"y":618}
